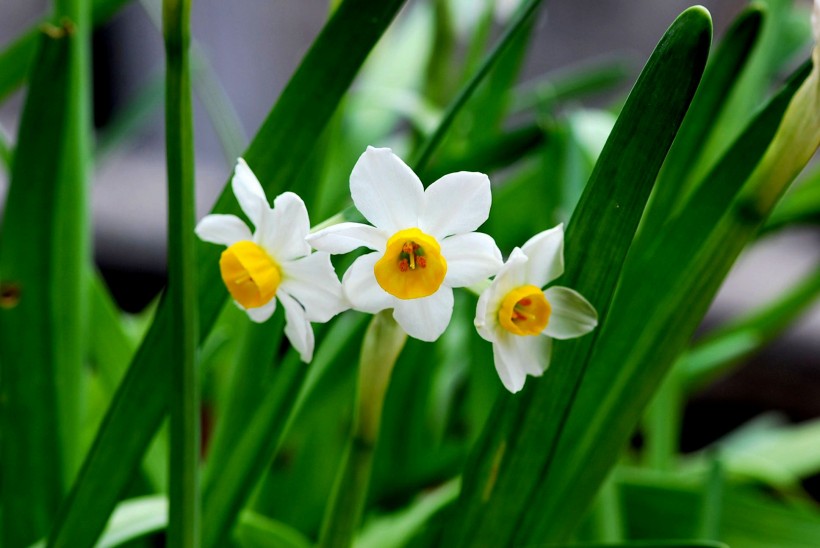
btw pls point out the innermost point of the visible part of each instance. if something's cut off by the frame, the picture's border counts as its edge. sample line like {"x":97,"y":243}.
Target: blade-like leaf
{"x":514,"y":452}
{"x":44,"y":259}
{"x":277,"y":153}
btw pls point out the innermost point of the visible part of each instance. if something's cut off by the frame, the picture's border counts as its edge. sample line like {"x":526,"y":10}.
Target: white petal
{"x":361,"y":288}
{"x":425,"y":318}
{"x":456,"y":203}
{"x":297,"y":327}
{"x":222,"y":229}
{"x":507,"y":366}
{"x":545,"y":252}
{"x":345,"y":237}
{"x":512,"y":274}
{"x":471,"y":258}
{"x":533,"y":352}
{"x":248,"y":192}
{"x":284,"y":228}
{"x":572,"y":315}
{"x":312,"y":281}
{"x":486,"y":318}
{"x":262,"y":313}
{"x":386,"y":191}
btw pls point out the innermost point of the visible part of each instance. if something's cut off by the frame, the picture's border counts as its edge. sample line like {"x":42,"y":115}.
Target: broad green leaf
{"x":780,"y":455}
{"x":500,"y":483}
{"x":671,"y":280}
{"x":663,"y":506}
{"x":395,"y":530}
{"x":276,"y":155}
{"x":44,"y":259}
{"x":133,"y":519}
{"x":719,"y":79}
{"x":257,"y":531}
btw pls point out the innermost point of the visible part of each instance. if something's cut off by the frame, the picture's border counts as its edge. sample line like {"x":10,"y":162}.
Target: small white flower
{"x":275,"y":261}
{"x":423,"y":240}
{"x":513,"y":312}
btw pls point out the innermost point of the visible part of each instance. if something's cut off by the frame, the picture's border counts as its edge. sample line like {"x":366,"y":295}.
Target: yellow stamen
{"x":250,"y":274}
{"x":524,"y":311}
{"x":412,"y":266}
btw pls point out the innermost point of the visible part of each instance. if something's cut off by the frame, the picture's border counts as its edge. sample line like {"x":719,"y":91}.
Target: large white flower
{"x":513,"y":312}
{"x":423,"y":240}
{"x":275,"y":261}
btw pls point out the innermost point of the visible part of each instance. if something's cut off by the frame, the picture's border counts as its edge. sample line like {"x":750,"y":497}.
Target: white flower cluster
{"x":423,"y":244}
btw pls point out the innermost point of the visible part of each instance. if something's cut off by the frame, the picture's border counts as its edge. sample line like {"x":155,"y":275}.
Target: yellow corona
{"x":412,"y":266}
{"x":524,"y":311}
{"x":250,"y":274}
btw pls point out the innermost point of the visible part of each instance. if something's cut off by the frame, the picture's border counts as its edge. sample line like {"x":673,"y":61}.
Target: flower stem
{"x":184,"y":508}
{"x":381,"y":347}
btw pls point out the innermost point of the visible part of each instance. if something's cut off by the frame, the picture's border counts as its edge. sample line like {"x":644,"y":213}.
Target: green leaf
{"x":17,"y":59}
{"x":395,"y":530}
{"x":277,"y":154}
{"x":44,"y":258}
{"x":719,"y":350}
{"x":516,"y":26}
{"x":501,"y":483}
{"x":671,"y":280}
{"x":256,"y":531}
{"x":719,"y":79}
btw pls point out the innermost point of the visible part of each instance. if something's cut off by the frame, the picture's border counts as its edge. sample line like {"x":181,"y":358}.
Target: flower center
{"x":524,"y":311}
{"x":250,"y":274}
{"x":412,"y":266}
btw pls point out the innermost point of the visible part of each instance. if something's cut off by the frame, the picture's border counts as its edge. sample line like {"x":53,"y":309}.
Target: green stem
{"x":381,"y":347}
{"x":184,"y":509}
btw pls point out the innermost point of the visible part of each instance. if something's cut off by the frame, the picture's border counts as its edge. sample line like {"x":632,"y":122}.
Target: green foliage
{"x":660,"y":196}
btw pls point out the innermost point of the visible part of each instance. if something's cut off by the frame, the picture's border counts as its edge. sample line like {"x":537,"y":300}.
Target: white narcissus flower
{"x":275,"y":262}
{"x":424,"y":241}
{"x":521,"y":319}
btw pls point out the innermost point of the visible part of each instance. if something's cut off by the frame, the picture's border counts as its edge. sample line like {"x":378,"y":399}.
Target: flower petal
{"x":297,"y":327}
{"x":512,"y":274}
{"x":249,"y":192}
{"x":312,"y":281}
{"x":545,"y":252}
{"x":386,"y":191}
{"x":572,"y":315}
{"x":486,"y":318}
{"x":361,"y":288}
{"x":345,"y":237}
{"x":533,"y":352}
{"x":425,"y":318}
{"x":262,"y":313}
{"x":456,"y":203}
{"x":471,"y":258}
{"x":507,"y":365}
{"x":222,"y":229}
{"x":284,"y":228}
